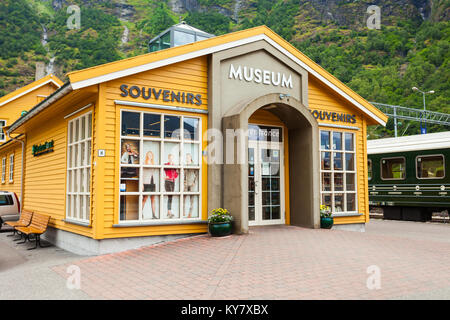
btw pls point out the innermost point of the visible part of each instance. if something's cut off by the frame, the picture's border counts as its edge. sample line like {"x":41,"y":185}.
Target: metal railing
{"x":425,"y":116}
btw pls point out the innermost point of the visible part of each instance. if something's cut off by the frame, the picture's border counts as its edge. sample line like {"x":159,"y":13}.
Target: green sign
{"x":43,"y":148}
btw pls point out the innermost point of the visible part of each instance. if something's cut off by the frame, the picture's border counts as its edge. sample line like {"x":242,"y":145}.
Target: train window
{"x":369,"y":169}
{"x":393,"y":168}
{"x":430,"y":167}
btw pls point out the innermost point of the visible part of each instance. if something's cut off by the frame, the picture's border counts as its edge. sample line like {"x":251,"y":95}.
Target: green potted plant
{"x":220,"y":222}
{"x":326,"y":220}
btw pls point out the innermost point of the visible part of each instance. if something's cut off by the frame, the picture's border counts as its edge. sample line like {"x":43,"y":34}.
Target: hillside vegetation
{"x":410,"y":49}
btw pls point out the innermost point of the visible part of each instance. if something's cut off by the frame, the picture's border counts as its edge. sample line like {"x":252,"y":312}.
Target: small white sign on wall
{"x":101,"y":152}
{"x":265,"y":168}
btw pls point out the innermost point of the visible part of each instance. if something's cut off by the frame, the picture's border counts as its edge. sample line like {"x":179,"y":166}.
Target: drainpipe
{"x":22,"y":169}
{"x":61,"y":92}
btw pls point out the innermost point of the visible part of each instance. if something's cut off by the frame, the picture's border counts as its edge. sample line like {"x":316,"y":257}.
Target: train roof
{"x":430,"y":141}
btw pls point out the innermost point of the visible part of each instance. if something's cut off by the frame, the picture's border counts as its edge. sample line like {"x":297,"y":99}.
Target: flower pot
{"x":326,"y":223}
{"x":220,"y":229}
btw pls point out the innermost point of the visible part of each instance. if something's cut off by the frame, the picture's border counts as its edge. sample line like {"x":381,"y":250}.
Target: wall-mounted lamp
{"x":283,"y":95}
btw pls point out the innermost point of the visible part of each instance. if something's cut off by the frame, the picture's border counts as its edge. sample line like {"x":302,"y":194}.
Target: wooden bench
{"x":24,"y":221}
{"x":38,"y":226}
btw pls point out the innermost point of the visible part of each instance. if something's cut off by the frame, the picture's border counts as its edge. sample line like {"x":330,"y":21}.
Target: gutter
{"x":58,"y":94}
{"x":4,"y":144}
{"x":22,"y":168}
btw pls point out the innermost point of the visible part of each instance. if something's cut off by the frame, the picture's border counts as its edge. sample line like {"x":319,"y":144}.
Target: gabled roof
{"x":430,"y":141}
{"x":29,"y":88}
{"x":145,"y":62}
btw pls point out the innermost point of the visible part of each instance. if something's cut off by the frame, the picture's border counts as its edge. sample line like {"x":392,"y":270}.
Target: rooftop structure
{"x":177,"y":35}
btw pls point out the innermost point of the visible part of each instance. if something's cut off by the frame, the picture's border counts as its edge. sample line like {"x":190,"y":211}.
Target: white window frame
{"x":3,"y":169}
{"x":2,"y":134}
{"x":257,"y":146}
{"x":181,"y":193}
{"x":11,"y":167}
{"x":344,"y":192}
{"x":79,"y":191}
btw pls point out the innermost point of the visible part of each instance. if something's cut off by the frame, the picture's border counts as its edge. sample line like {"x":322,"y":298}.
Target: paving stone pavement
{"x":27,"y":274}
{"x":277,"y":262}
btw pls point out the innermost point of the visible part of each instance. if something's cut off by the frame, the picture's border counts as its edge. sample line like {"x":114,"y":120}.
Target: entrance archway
{"x":303,"y":136}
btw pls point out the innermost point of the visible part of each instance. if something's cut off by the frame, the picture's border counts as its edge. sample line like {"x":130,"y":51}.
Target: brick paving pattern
{"x":275,"y":262}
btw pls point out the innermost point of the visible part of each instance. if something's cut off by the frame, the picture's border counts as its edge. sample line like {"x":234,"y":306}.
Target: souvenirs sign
{"x":334,"y":116}
{"x":160,"y":94}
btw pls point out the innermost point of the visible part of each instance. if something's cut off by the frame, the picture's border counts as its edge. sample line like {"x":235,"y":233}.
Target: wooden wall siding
{"x":45,"y":175}
{"x":94,"y":166}
{"x":16,"y":149}
{"x":188,"y":76}
{"x":98,"y":163}
{"x":323,"y":99}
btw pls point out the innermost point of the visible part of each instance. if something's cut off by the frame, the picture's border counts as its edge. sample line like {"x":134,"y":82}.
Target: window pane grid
{"x":2,"y":134}
{"x":338,"y":171}
{"x":11,"y":168}
{"x":166,"y":135}
{"x":79,"y":139}
{"x":3,"y":170}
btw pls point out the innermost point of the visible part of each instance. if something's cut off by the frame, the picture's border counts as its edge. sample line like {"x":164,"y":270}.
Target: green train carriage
{"x":409,"y":177}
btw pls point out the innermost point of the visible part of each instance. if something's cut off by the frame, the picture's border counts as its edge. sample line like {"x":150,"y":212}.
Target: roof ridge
{"x":164,"y":50}
{"x":28,"y":88}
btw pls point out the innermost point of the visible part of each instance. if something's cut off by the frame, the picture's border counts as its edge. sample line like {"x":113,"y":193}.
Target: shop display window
{"x":160,"y":169}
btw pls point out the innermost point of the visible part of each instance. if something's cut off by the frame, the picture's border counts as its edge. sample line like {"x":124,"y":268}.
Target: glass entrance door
{"x":265,"y":183}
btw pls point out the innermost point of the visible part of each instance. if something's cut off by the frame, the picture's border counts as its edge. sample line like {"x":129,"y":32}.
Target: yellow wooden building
{"x":140,"y":150}
{"x":12,"y":106}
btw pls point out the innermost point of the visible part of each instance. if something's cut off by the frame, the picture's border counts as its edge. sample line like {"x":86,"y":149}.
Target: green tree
{"x":211,"y":22}
{"x":157,"y":22}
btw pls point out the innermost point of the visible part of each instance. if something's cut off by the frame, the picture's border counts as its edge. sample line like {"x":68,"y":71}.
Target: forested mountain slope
{"x":410,"y":49}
